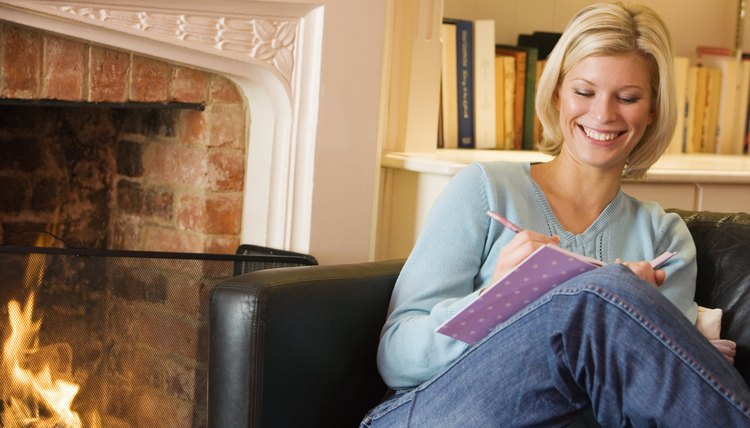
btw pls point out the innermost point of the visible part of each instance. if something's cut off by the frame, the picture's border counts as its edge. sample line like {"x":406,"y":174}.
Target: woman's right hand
{"x":520,"y":247}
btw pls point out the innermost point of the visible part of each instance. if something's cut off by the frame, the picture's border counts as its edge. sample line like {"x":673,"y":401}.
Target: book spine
{"x":449,"y":94}
{"x":681,"y":66}
{"x":484,"y":84}
{"x":711,"y":125}
{"x":509,"y":100}
{"x":741,"y":107}
{"x":691,"y":97}
{"x":529,"y":97}
{"x":500,"y":102}
{"x":465,"y":81}
{"x":738,"y":148}
{"x":519,"y":91}
{"x":699,"y":113}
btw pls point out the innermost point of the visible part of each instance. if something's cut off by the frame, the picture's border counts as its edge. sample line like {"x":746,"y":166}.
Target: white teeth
{"x":598,"y":135}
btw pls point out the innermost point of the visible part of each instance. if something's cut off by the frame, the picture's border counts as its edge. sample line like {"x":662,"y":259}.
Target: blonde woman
{"x":619,"y":341}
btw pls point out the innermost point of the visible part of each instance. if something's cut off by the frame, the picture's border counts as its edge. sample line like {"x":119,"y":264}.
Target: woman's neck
{"x":577,"y":194}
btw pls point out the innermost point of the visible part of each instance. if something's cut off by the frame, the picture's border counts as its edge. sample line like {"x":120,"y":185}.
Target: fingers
{"x":646,"y":272}
{"x":727,"y":348}
{"x":520,"y":247}
{"x":660,"y":276}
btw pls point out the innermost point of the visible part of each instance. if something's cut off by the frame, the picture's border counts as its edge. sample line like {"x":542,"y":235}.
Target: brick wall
{"x":137,"y":178}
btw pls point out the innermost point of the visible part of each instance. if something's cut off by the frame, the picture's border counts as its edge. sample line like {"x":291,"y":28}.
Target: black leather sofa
{"x":295,"y":347}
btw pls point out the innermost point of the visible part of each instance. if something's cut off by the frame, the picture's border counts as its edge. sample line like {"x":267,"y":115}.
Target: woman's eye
{"x":582,"y":93}
{"x":628,"y":100}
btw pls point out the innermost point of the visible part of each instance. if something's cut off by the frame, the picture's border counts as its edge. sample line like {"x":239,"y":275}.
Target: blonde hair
{"x":614,"y":29}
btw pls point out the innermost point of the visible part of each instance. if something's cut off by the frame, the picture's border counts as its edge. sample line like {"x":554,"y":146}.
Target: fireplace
{"x":110,"y":338}
{"x":226,"y":91}
{"x":114,"y":150}
{"x":270,"y":51}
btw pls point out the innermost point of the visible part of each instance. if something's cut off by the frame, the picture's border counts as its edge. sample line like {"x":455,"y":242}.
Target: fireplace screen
{"x":110,"y":338}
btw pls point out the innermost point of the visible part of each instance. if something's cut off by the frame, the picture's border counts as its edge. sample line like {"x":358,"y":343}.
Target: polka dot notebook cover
{"x":543,"y":270}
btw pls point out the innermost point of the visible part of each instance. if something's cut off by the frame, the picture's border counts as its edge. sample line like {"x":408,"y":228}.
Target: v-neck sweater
{"x":458,"y":246}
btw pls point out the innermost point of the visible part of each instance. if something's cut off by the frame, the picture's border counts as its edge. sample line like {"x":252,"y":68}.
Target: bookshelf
{"x":414,"y":171}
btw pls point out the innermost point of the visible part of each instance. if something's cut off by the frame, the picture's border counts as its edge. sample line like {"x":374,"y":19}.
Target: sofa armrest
{"x":723,"y":244}
{"x":297,"y":346}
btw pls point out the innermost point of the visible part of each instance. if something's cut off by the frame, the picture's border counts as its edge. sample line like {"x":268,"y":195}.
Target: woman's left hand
{"x":727,"y":348}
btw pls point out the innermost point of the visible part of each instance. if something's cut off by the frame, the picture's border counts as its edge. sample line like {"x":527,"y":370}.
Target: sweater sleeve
{"x":679,"y":286}
{"x":439,"y":278}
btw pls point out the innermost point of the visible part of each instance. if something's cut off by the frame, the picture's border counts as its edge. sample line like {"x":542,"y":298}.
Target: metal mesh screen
{"x":130,"y":329}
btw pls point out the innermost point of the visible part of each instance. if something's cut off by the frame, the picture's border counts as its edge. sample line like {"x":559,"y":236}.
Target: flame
{"x":27,"y":391}
{"x":39,"y":398}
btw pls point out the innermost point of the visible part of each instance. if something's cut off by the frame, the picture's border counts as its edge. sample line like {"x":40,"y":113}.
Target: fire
{"x":30,"y":394}
{"x":36,"y":388}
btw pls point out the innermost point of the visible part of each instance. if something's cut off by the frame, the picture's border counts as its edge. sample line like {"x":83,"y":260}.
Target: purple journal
{"x":546,"y":268}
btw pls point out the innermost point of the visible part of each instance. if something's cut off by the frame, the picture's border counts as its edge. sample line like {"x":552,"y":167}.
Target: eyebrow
{"x":594,"y":84}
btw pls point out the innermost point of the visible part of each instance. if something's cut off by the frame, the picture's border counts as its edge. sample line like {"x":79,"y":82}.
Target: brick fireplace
{"x":115,"y":150}
{"x":112,"y":150}
{"x":270,"y":51}
{"x":129,"y":127}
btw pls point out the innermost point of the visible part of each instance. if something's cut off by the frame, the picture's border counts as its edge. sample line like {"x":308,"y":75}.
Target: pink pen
{"x":504,"y":221}
{"x":657,"y":262}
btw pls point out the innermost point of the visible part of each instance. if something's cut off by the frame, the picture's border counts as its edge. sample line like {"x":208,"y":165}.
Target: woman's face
{"x":605,"y":104}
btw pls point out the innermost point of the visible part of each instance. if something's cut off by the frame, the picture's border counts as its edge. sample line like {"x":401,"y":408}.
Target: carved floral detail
{"x":276,"y":44}
{"x":270,"y":41}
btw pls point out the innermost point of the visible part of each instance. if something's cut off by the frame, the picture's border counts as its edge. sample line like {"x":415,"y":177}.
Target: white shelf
{"x":682,"y":168}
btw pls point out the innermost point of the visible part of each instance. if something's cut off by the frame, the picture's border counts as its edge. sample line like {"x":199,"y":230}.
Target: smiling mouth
{"x":600,"y":136}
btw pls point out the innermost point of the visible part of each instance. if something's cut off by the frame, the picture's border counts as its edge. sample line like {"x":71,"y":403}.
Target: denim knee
{"x":392,"y":412}
{"x":614,"y":278}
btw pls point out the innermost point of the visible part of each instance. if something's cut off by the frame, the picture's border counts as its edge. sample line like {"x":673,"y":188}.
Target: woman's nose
{"x":603,"y":109}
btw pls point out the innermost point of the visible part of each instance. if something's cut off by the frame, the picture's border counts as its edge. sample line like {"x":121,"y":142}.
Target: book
{"x":690,"y":100}
{"x":543,"y":270}
{"x":741,"y":124}
{"x":519,"y":90}
{"x":736,"y":147}
{"x":709,"y":143}
{"x":464,"y":80}
{"x":499,"y":102}
{"x":544,"y":41}
{"x":484,"y":84}
{"x":449,"y":87}
{"x":699,"y":109}
{"x":508,"y":99}
{"x":529,"y":92}
{"x":681,"y":67}
{"x":727,"y":62}
{"x":440,"y":142}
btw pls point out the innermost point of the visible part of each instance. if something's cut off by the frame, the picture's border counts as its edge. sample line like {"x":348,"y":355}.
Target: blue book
{"x":464,"y":80}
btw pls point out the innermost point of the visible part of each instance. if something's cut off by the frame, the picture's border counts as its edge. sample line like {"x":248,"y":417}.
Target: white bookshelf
{"x":414,"y":171}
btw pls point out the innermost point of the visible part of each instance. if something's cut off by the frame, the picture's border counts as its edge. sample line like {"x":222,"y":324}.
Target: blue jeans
{"x":604,"y":341}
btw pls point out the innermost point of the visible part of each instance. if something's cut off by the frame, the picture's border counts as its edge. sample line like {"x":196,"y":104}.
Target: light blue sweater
{"x":458,"y":245}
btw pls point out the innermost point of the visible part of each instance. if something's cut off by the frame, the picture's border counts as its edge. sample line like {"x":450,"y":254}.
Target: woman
{"x":619,"y":340}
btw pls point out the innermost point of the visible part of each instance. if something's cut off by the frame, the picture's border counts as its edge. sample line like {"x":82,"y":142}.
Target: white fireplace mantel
{"x":271,"y":50}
